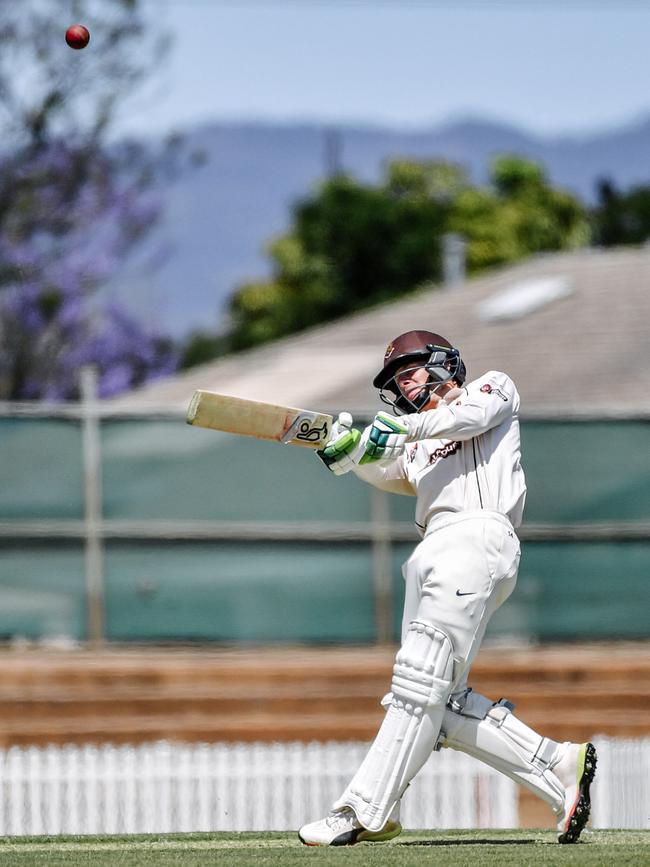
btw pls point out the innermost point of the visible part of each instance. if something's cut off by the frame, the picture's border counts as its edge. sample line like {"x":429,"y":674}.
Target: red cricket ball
{"x":77,"y":36}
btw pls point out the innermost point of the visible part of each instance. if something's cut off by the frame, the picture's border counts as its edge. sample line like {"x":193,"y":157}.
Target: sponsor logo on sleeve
{"x":486,"y":388}
{"x":444,"y":452}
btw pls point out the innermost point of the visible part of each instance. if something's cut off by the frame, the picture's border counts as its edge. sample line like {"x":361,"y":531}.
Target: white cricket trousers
{"x":457,"y":577}
{"x":461,"y":572}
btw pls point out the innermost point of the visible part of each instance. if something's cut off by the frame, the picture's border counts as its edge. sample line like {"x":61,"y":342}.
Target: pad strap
{"x":492,"y":733}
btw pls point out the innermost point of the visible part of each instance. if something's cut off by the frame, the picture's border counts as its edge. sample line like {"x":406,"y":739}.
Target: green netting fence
{"x":139,"y":528}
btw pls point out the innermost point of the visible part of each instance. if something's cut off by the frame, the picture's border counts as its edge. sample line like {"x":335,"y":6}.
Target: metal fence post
{"x":453,"y":259}
{"x":94,"y":554}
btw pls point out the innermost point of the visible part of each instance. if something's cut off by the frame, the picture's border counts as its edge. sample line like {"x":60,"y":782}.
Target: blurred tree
{"x":71,"y":202}
{"x":519,"y":214}
{"x":621,"y":218}
{"x":200,"y":347}
{"x":353,"y":245}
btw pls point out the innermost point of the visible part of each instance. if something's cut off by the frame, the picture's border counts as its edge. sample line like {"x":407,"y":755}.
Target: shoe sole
{"x":579,"y":815}
{"x":361,"y":835}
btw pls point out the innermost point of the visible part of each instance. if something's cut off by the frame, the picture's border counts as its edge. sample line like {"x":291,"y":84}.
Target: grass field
{"x":282,"y":849}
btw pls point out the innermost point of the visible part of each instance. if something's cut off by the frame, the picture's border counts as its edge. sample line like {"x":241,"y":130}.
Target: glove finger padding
{"x":385,"y":439}
{"x":342,"y":423}
{"x":340,"y":449}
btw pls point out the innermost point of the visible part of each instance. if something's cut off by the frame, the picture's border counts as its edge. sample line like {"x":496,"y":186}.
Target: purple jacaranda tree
{"x":72,"y":203}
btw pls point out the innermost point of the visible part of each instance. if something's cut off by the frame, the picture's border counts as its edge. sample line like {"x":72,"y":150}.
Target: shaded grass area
{"x":282,"y":849}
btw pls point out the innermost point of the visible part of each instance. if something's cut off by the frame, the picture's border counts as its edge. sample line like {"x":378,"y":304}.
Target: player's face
{"x":410,"y":379}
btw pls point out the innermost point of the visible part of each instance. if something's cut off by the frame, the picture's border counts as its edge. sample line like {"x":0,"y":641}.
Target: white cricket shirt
{"x":461,"y":456}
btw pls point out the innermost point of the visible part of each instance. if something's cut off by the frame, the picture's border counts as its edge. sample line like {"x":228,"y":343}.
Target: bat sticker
{"x":304,"y":430}
{"x":311,"y":434}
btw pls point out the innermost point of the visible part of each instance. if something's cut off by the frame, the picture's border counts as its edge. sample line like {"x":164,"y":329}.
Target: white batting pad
{"x":422,"y":678}
{"x":492,"y":733}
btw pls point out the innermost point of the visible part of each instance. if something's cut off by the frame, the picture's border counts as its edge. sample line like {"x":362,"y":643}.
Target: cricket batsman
{"x":455,"y":447}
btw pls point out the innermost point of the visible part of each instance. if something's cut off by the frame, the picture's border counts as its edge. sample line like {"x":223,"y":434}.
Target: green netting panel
{"x":41,"y":472}
{"x":579,"y":472}
{"x":585,"y":590}
{"x":587,"y":471}
{"x":569,"y":591}
{"x":166,"y":469}
{"x":42,"y":589}
{"x":224,"y":592}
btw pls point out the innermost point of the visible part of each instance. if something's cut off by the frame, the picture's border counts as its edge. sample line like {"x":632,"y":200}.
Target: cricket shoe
{"x":576,"y":771}
{"x":342,"y":828}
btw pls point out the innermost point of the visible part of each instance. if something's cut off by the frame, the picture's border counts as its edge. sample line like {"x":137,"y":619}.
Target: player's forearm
{"x":484,"y":404}
{"x":461,"y":422}
{"x":385,"y":477}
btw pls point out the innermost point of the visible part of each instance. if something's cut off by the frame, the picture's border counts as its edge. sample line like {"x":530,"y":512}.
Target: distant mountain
{"x":220,"y":215}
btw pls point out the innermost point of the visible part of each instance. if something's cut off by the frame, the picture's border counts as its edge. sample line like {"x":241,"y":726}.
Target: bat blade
{"x":267,"y":421}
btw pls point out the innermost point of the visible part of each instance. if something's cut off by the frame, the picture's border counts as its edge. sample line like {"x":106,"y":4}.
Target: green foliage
{"x":519,"y":215}
{"x":201,"y":347}
{"x":513,"y":176}
{"x":431,"y":179}
{"x":621,"y":218}
{"x":353,"y":245}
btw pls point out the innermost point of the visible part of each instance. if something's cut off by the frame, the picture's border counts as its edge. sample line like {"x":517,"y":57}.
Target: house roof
{"x":572,"y":330}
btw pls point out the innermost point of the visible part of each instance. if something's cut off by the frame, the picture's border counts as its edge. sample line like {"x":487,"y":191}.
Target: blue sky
{"x":551,"y":67}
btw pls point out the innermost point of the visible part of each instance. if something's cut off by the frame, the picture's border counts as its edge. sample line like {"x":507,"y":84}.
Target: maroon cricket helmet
{"x":434,"y":352}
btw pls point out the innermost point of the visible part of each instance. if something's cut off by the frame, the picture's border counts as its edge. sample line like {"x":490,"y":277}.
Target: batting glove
{"x":385,"y":439}
{"x":343,"y":446}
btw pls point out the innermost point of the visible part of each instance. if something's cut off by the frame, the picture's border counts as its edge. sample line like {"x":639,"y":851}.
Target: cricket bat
{"x":284,"y":424}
